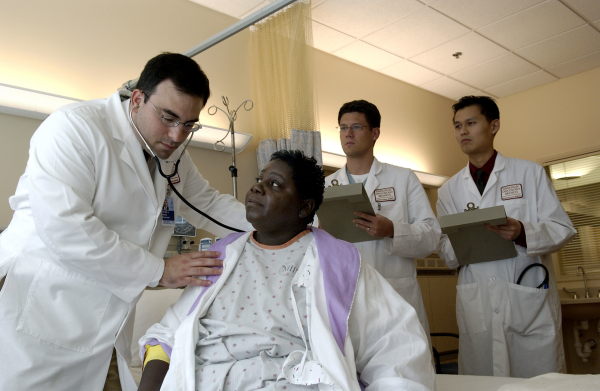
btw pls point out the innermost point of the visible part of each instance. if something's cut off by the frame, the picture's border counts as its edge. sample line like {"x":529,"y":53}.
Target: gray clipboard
{"x":337,"y":212}
{"x":471,"y":241}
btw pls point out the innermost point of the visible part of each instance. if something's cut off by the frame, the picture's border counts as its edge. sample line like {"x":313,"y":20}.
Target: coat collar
{"x":470,"y":184}
{"x":132,"y":153}
{"x":372,"y":181}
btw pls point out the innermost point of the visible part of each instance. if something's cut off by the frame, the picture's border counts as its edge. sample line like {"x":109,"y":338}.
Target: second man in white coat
{"x":508,"y":327}
{"x":403,"y":214}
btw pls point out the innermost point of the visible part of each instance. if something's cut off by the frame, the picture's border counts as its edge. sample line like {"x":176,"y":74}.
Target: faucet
{"x":575,"y":296}
{"x":587,"y":294}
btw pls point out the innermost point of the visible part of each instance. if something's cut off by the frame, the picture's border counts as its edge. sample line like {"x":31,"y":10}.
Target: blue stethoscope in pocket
{"x":175,"y":168}
{"x":544,"y":283}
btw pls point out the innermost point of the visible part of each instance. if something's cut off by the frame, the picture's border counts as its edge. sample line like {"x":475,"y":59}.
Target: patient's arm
{"x":155,"y":358}
{"x":153,"y":375}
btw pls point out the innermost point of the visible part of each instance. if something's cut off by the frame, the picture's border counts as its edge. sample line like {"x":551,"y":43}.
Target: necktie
{"x":479,"y":181}
{"x":151,"y":162}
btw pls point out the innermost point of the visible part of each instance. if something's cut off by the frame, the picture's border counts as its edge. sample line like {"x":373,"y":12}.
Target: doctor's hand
{"x":509,"y":231}
{"x":377,"y":226}
{"x":181,"y":269}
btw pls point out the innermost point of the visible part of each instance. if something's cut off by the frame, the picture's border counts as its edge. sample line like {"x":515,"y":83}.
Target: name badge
{"x":168,"y":212}
{"x":384,"y":195}
{"x":511,"y":192}
{"x":175,"y":179}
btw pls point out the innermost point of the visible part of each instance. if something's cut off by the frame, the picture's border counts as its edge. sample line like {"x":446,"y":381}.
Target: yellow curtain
{"x":283,"y":72}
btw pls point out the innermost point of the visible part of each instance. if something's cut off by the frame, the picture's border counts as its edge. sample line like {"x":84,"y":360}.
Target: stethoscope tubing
{"x":176,"y":168}
{"x":168,"y":178}
{"x":546,"y":277}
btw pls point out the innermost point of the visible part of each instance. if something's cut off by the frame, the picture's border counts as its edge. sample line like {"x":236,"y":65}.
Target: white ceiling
{"x":507,"y":46}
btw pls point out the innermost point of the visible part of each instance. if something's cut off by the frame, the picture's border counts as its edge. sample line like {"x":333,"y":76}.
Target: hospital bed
{"x":488,"y":383}
{"x":472,"y":383}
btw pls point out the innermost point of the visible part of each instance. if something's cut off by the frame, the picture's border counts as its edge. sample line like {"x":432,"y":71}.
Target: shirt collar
{"x":487,"y":167}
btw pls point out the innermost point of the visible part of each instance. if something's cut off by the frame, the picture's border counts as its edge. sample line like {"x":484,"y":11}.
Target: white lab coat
{"x":85,"y":240}
{"x":416,"y":230}
{"x":385,"y":342}
{"x":508,"y":329}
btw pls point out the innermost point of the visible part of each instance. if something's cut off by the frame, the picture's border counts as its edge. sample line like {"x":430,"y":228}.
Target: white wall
{"x":15,"y":133}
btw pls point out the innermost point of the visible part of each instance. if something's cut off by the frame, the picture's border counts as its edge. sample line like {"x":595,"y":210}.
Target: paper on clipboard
{"x":471,"y":241}
{"x":337,"y":212}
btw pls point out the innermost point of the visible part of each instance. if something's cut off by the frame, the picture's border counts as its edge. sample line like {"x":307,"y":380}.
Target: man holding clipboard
{"x":509,"y":323}
{"x":403,"y":221}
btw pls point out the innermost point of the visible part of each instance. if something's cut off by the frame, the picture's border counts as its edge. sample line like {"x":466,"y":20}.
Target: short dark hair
{"x":362,"y":106}
{"x":487,"y":106}
{"x":185,"y":73}
{"x":308,"y":177}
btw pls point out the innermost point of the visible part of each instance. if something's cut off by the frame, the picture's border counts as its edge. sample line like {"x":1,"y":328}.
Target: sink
{"x":580,"y":309}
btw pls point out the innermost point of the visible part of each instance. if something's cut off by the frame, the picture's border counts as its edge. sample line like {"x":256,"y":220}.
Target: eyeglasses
{"x":173,"y":122}
{"x":355,"y":128}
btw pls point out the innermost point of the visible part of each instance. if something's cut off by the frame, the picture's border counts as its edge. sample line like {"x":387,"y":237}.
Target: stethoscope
{"x":175,"y":168}
{"x":544,"y":283}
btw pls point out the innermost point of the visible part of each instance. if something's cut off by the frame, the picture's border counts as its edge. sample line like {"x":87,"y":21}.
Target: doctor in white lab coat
{"x":505,"y":329}
{"x":404,"y":218}
{"x":88,"y":233}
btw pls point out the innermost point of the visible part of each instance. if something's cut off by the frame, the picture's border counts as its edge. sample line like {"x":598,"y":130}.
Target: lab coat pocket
{"x":63,"y":308}
{"x":529,"y":311}
{"x":469,"y":310}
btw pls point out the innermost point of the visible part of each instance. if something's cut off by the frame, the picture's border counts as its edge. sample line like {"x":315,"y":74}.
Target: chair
{"x":436,"y":355}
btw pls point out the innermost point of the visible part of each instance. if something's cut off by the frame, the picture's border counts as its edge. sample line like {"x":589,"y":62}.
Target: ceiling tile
{"x":235,"y":8}
{"x":496,"y":71}
{"x":410,"y":73}
{"x":565,"y":47}
{"x":416,"y":33}
{"x":256,"y":8}
{"x":483,"y":93}
{"x":475,"y":49}
{"x":315,"y":3}
{"x":532,"y":25}
{"x":478,"y":13}
{"x":367,"y":55}
{"x":521,"y":84}
{"x":360,"y":18}
{"x":589,"y":9}
{"x":578,"y":65}
{"x":328,"y":39}
{"x":449,"y":88}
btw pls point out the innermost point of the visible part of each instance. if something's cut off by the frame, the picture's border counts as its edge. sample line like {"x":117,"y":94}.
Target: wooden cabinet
{"x":439,"y":298}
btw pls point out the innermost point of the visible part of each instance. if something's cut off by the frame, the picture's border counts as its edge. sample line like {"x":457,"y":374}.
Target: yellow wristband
{"x":155,"y":353}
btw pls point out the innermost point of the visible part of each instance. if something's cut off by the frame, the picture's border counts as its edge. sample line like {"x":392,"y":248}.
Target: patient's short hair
{"x":308,"y":177}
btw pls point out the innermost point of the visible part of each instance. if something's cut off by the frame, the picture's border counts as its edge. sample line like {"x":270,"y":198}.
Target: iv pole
{"x":212,"y":41}
{"x":232,"y":115}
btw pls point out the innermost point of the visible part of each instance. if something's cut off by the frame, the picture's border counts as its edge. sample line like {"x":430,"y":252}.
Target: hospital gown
{"x":250,"y":329}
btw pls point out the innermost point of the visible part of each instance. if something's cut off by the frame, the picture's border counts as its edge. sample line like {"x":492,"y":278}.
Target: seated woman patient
{"x":295,"y":309}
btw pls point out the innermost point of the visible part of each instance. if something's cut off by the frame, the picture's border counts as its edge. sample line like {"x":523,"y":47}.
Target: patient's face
{"x":273,"y":203}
